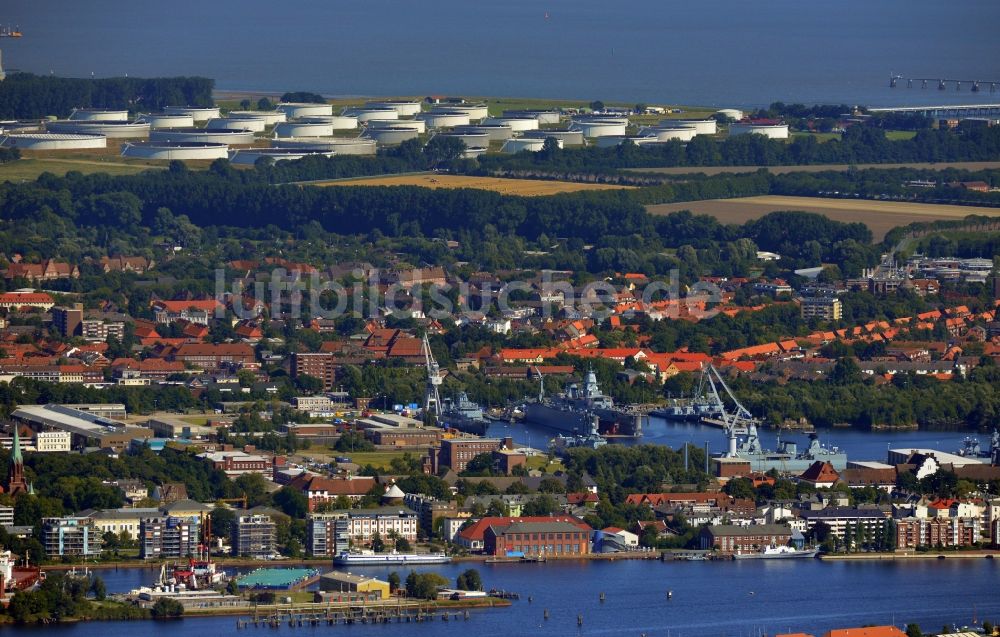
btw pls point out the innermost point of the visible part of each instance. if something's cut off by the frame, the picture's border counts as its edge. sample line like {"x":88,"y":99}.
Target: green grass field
{"x":896,"y":135}
{"x":29,"y":169}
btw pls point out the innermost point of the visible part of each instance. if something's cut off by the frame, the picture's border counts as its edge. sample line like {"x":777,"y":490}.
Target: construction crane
{"x":432,"y":395}
{"x":738,"y":421}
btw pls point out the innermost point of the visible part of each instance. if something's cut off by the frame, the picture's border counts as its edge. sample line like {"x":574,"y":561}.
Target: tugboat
{"x":464,"y":415}
{"x":583,"y":412}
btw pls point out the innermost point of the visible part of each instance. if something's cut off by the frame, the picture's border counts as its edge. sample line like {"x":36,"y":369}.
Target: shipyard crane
{"x":736,"y":423}
{"x":432,"y":395}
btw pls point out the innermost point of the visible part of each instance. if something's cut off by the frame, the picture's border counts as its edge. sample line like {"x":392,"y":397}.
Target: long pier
{"x":942,"y":83}
{"x":948,"y":110}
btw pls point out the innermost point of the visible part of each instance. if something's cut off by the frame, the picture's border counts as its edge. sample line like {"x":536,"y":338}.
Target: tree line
{"x":29,"y":96}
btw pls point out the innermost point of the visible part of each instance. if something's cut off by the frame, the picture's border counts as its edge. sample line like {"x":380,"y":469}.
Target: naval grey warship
{"x":788,"y":458}
{"x":464,"y":415}
{"x":583,"y":411}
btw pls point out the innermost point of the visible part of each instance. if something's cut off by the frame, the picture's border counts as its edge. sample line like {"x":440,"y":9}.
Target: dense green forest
{"x":28,"y":96}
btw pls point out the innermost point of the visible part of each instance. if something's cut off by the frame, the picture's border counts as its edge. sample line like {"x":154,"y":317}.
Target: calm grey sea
{"x":726,"y":52}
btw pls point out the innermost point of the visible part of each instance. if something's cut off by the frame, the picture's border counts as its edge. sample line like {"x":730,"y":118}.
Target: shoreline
{"x":911,"y":555}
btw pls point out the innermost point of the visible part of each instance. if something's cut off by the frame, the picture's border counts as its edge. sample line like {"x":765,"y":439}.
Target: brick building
{"x":730,"y":538}
{"x":322,"y":365}
{"x":456,"y":453}
{"x":320,"y":490}
{"x":543,"y":538}
{"x":937,"y":532}
{"x":215,"y":356}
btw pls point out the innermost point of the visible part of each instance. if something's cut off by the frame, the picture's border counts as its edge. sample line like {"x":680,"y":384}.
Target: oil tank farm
{"x":230,"y":137}
{"x":339,"y":122}
{"x":471,"y":140}
{"x":701,"y":126}
{"x":303,"y":129}
{"x":166,"y":120}
{"x":517,"y":144}
{"x":175,"y":150}
{"x":604,"y":127}
{"x":444,"y":119}
{"x":250,"y":156}
{"x":665,"y":134}
{"x":336,"y":145}
{"x":270,"y":117}
{"x":198,"y":113}
{"x":517,"y":124}
{"x":390,"y":136}
{"x":255,"y":124}
{"x":111,"y":129}
{"x":766,"y":127}
{"x":496,"y":132}
{"x":293,"y":109}
{"x":567,"y":137}
{"x":731,"y":113}
{"x":98,"y":115}
{"x":365,"y":114}
{"x":418,"y":124}
{"x":617,"y":140}
{"x":476,"y":112}
{"x":543,"y":117}
{"x":52,"y":141}
{"x":403,"y":108}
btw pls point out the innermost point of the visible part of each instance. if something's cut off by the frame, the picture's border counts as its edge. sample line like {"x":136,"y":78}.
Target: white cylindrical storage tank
{"x":53,"y":141}
{"x":543,"y":117}
{"x":98,"y":115}
{"x":119,"y":130}
{"x":403,"y":108}
{"x":418,"y":124}
{"x":174,"y":150}
{"x":701,"y":126}
{"x":665,"y":134}
{"x":365,"y":115}
{"x":198,"y":113}
{"x":339,"y":122}
{"x":270,"y":117}
{"x":471,"y":140}
{"x":731,"y":113}
{"x":769,"y":129}
{"x":517,"y":144}
{"x":337,"y":145}
{"x":475,"y":112}
{"x":292,"y":110}
{"x":255,"y":124}
{"x":600,"y":128}
{"x":616,"y":140}
{"x":444,"y":119}
{"x":303,"y":129}
{"x":496,"y":132}
{"x":392,"y":135}
{"x":249,"y":156}
{"x":567,"y":137}
{"x":472,"y":152}
{"x":517,"y":124}
{"x":231,"y":137}
{"x":167,"y":120}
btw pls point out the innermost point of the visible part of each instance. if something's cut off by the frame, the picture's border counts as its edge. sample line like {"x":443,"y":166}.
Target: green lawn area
{"x":542,"y":462}
{"x":30,"y":169}
{"x":377,"y":459}
{"x":896,"y":135}
{"x":820,"y":137}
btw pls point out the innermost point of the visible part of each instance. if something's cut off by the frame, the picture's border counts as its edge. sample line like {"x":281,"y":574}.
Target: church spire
{"x":15,"y":474}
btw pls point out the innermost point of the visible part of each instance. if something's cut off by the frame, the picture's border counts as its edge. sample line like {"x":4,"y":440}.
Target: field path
{"x":880,"y":216}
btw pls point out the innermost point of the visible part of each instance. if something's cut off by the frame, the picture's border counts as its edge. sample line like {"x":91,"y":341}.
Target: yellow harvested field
{"x":880,"y":216}
{"x":522,"y":187}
